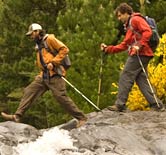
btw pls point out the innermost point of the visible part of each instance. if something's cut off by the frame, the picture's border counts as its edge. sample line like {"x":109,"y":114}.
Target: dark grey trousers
{"x":58,"y":89}
{"x":131,"y":73}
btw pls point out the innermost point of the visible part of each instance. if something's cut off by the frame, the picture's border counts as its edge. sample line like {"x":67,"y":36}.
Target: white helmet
{"x":32,"y":28}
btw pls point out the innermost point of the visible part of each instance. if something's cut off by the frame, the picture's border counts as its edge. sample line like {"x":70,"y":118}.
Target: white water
{"x":52,"y":142}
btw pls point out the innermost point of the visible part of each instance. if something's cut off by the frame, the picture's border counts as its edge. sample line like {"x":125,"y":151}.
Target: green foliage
{"x":17,"y":53}
{"x":157,"y":11}
{"x":82,"y":25}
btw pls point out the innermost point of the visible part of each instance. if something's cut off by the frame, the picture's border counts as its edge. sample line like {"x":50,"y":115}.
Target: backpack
{"x":66,"y":63}
{"x":155,"y":38}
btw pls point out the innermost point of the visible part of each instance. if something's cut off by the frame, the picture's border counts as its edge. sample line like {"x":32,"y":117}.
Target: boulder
{"x":105,"y":133}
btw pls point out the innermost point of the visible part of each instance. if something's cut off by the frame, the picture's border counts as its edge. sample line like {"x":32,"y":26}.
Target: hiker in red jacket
{"x":137,"y":45}
{"x":48,"y":78}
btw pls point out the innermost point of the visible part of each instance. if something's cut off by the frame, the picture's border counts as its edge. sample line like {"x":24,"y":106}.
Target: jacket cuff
{"x":109,"y":49}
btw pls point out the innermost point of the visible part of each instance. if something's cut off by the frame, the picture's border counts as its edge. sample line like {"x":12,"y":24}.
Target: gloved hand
{"x":134,"y":50}
{"x":103,"y":47}
{"x":106,"y":49}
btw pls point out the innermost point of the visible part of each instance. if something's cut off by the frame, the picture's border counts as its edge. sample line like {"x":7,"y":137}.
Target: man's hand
{"x":134,"y":50}
{"x":136,"y":47}
{"x":103,"y":47}
{"x":38,"y":77}
{"x":50,"y":66}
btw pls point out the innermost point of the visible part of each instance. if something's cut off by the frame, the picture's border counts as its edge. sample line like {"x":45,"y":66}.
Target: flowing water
{"x":52,"y":142}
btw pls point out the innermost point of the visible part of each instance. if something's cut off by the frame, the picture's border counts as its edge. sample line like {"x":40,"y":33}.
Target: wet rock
{"x":11,"y":134}
{"x":105,"y":133}
{"x":131,"y":133}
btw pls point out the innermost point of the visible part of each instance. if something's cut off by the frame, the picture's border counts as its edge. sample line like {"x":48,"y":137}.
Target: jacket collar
{"x":45,"y":37}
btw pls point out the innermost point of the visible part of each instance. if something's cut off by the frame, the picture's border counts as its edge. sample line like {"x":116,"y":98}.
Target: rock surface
{"x":105,"y":133}
{"x":11,"y":134}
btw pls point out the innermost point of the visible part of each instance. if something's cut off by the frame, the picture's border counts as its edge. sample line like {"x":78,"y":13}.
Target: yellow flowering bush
{"x":157,"y":73}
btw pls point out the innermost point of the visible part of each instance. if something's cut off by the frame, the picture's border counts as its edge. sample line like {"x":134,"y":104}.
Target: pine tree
{"x":17,"y":53}
{"x":84,"y":26}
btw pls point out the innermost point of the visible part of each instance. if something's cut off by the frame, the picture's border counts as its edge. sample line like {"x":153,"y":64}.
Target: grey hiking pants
{"x":133,"y":72}
{"x":58,"y":89}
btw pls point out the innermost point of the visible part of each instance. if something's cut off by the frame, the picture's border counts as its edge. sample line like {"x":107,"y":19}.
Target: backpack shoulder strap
{"x":131,"y":27}
{"x":54,"y":52}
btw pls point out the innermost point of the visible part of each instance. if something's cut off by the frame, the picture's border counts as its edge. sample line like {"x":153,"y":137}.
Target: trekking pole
{"x":154,"y":95}
{"x":46,"y":112}
{"x":100,"y":78}
{"x":80,"y":93}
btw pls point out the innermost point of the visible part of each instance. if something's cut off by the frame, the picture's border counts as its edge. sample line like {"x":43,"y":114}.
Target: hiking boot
{"x":157,"y":107}
{"x":118,"y":108}
{"x":81,"y":123}
{"x":14,"y":118}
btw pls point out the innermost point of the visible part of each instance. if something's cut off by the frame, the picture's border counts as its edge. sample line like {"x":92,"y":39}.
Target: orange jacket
{"x":53,"y":44}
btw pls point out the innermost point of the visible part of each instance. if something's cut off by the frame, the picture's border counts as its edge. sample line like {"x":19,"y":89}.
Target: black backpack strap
{"x":41,"y":56}
{"x":46,"y":74}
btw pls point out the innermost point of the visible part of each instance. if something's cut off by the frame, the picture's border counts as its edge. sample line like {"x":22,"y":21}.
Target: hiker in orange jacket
{"x":137,"y":46}
{"x":49,"y":78}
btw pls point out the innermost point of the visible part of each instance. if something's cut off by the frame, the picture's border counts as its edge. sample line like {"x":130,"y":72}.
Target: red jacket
{"x":140,"y":25}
